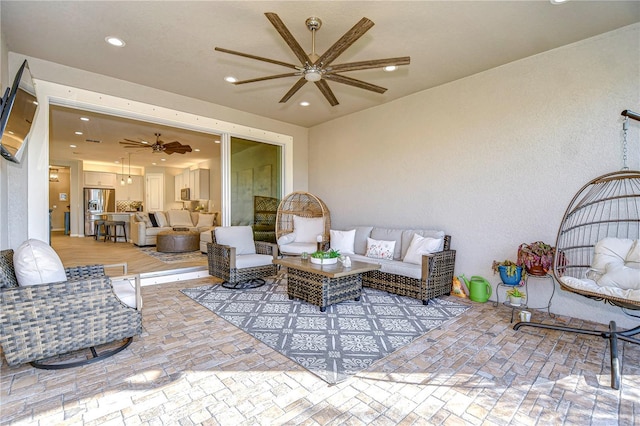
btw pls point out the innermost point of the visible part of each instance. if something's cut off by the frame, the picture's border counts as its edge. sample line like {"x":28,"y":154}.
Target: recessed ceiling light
{"x":117,"y":162}
{"x":558,"y":1}
{"x":390,"y":68}
{"x":114,"y":41}
{"x":230,"y":79}
{"x":154,"y":164}
{"x":84,"y":119}
{"x":304,"y":103}
{"x":163,"y":159}
{"x":78,"y":133}
{"x":73,"y":146}
{"x":197,"y":150}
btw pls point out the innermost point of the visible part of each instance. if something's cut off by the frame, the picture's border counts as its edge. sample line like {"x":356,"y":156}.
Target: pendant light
{"x":129,"y":180}
{"x":122,"y":175}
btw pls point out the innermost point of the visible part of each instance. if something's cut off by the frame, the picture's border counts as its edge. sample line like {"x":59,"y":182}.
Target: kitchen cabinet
{"x":130,"y":192}
{"x":180,"y":183}
{"x":199,"y":184}
{"x":99,"y":180}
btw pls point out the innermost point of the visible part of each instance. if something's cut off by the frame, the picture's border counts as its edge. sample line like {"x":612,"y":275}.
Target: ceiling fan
{"x":159,"y":146}
{"x":319,"y":69}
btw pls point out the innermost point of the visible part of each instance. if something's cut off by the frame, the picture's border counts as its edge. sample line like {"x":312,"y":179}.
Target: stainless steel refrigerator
{"x":96,"y":203}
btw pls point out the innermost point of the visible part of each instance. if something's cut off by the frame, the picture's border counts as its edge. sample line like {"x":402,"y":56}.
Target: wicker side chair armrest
{"x":84,"y":272}
{"x":437,"y":272}
{"x":263,"y":247}
{"x":44,"y":320}
{"x":222,"y":255}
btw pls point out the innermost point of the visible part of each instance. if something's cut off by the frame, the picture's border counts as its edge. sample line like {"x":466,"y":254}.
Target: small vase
{"x":515,"y":301}
{"x":510,"y":280}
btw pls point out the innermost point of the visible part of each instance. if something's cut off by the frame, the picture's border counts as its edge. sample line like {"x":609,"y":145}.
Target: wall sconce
{"x":53,"y":175}
{"x":129,"y":180}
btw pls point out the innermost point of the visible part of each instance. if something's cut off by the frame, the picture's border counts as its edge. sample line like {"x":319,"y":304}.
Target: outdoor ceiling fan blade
{"x":174,"y":144}
{"x":326,"y":91}
{"x":364,"y":65}
{"x":287,"y":36}
{"x":357,"y":83}
{"x":132,"y":141}
{"x":270,"y":77}
{"x":258,"y":58}
{"x":350,"y":37}
{"x":298,"y":84}
{"x":137,"y":144}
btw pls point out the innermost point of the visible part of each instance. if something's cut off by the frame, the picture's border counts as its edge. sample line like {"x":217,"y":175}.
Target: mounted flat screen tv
{"x":18,"y":110}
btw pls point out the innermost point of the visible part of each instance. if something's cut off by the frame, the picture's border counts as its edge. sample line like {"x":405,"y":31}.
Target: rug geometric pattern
{"x":346,"y":339}
{"x":190,"y":256}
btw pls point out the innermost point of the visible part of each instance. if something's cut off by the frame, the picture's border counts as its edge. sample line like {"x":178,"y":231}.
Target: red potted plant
{"x":536,"y":258}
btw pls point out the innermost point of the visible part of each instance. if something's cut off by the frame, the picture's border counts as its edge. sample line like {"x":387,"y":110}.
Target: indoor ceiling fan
{"x":159,"y":146}
{"x":319,"y":69}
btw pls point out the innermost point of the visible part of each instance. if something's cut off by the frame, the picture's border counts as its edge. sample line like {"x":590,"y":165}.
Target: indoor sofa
{"x":417,"y":263}
{"x":145,"y":227}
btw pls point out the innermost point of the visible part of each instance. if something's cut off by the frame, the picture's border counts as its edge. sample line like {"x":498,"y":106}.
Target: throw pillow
{"x":161,"y":219}
{"x":307,"y":229}
{"x":620,"y":276}
{"x":36,"y":262}
{"x":608,"y":250}
{"x":144,"y":217}
{"x":287,"y":239}
{"x":240,"y":237}
{"x":343,"y":241}
{"x":420,"y":246}
{"x":180,"y":218}
{"x":154,"y":221}
{"x":380,"y":249}
{"x":205,"y":220}
{"x":633,"y":257}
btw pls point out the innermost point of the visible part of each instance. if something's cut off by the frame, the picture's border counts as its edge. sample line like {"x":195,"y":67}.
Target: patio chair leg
{"x":96,"y":357}
{"x":615,"y":361}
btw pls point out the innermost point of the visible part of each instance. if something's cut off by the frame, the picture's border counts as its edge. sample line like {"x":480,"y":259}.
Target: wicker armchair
{"x":244,"y":270}
{"x":42,"y":321}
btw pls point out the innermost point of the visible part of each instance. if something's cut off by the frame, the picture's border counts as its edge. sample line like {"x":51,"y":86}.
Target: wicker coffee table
{"x":324,"y":285}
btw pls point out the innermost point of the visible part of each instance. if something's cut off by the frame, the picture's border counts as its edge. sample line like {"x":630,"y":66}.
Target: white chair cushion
{"x":253,"y":260}
{"x":298,"y":248}
{"x":420,"y":246}
{"x":125,"y":290}
{"x":35,"y":262}
{"x":606,"y":251}
{"x":343,"y":241}
{"x":240,"y":237}
{"x":620,"y":276}
{"x":307,"y":229}
{"x":633,"y":257}
{"x":179,"y":218}
{"x":380,"y":249}
{"x":205,"y":220}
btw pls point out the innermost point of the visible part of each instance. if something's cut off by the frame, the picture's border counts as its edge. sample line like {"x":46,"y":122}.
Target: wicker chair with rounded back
{"x":302,"y":220}
{"x":598,"y":253}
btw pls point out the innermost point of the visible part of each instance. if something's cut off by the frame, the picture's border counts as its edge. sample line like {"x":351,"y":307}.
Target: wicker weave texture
{"x":437,"y":278}
{"x":40,"y":321}
{"x":7,"y":273}
{"x":320,"y":290}
{"x":301,"y":204}
{"x":219,"y":262}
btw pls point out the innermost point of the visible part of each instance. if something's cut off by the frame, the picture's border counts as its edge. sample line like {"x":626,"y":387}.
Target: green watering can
{"x":479,"y":288}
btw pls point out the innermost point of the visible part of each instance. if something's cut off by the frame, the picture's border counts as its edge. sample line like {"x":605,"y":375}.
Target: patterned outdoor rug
{"x":349,"y":337}
{"x":191,"y":256}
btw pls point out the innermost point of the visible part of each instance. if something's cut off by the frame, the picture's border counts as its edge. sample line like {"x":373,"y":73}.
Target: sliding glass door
{"x":256,"y":185}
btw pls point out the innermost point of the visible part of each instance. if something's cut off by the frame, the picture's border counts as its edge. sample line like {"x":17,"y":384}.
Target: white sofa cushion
{"x":420,"y":246}
{"x":360,"y":243}
{"x":393,"y":266}
{"x":343,"y":241}
{"x":179,"y":218}
{"x":205,"y":220}
{"x":35,"y":262}
{"x":307,"y":229}
{"x":389,"y":234}
{"x":380,"y":249}
{"x":161,"y":219}
{"x":240,"y":237}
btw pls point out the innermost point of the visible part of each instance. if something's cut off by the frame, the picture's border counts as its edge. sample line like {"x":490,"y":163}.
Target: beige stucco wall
{"x":493,"y":159}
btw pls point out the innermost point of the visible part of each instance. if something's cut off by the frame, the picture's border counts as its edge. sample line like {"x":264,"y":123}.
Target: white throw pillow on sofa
{"x":180,"y":218}
{"x":420,"y":246}
{"x":205,"y":220}
{"x":343,"y":241}
{"x":307,"y":229}
{"x":380,"y":249}
{"x":35,"y":262}
{"x":240,"y":237}
{"x":161,"y":219}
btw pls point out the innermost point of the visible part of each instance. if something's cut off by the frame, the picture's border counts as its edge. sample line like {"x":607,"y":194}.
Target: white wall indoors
{"x":492,"y":159}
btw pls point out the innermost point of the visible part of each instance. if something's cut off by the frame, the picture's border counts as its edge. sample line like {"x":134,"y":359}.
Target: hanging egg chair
{"x":598,"y":250}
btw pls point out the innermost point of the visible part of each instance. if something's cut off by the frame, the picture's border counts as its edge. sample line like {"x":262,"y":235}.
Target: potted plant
{"x":325,"y":257}
{"x":510,"y":272}
{"x":536,"y":258}
{"x":515,"y":296}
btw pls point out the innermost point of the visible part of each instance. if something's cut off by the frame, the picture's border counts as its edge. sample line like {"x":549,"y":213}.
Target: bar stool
{"x":111,"y":230}
{"x":98,"y":227}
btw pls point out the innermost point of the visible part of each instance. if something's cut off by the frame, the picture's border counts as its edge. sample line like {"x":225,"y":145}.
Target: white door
{"x":154,"y":192}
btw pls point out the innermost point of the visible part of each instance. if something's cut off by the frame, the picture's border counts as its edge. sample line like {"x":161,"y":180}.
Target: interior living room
{"x":494,"y":92}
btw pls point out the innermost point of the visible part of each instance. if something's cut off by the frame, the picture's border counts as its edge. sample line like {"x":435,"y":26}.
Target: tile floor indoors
{"x":191,"y":367}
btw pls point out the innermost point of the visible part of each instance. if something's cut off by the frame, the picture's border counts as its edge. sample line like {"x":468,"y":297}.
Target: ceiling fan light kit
{"x":318,"y":69}
{"x":158,"y":147}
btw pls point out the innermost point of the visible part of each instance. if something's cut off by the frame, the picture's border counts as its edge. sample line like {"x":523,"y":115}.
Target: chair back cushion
{"x":35,"y":262}
{"x":7,"y":273}
{"x":307,"y":229}
{"x":240,"y":237}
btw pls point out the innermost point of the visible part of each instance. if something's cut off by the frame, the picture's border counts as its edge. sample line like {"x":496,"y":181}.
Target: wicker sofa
{"x":44,"y":320}
{"x":430,"y":277}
